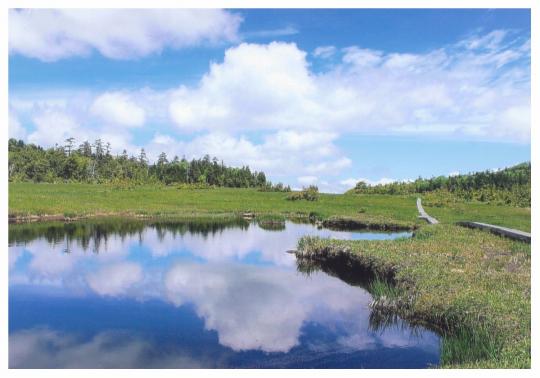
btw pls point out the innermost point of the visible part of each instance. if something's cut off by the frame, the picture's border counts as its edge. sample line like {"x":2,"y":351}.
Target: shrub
{"x":279,"y":187}
{"x":310,"y":193}
{"x":198,"y":185}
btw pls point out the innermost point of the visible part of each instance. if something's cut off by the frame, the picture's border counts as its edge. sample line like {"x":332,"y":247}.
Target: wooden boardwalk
{"x":423,"y":214}
{"x":498,"y":230}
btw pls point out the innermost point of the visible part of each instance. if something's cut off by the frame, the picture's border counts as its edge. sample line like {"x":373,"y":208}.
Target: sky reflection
{"x":237,"y":285}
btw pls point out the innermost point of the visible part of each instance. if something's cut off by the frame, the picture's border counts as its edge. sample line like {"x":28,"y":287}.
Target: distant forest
{"x":94,"y":163}
{"x":510,"y":186}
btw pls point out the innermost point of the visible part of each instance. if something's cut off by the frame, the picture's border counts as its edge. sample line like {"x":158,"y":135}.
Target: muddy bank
{"x":16,"y":219}
{"x":359,"y":270}
{"x":66,"y":218}
{"x":348,"y":223}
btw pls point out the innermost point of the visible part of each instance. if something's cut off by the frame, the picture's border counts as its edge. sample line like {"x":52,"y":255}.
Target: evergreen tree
{"x":95,"y":164}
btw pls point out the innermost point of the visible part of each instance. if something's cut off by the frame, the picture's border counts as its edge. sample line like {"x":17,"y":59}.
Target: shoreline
{"x":334,"y":222}
{"x":482,"y":324}
{"x":34,"y":218}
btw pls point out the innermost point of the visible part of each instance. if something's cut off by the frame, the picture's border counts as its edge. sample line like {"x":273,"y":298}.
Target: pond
{"x":192,"y":294}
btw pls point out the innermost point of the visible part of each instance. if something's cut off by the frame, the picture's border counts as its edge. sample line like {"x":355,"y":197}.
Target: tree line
{"x":94,"y":163}
{"x":511,"y":186}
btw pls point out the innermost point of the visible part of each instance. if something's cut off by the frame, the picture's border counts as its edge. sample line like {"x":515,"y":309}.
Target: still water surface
{"x":189,"y":295}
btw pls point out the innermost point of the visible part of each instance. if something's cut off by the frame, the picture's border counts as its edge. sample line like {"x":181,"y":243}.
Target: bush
{"x":309,"y":194}
{"x":279,"y":187}
{"x":198,"y":185}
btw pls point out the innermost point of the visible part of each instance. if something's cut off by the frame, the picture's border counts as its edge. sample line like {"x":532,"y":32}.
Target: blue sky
{"x":309,"y":96}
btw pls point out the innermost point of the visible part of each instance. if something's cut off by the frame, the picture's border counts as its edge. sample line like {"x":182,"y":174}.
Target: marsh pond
{"x":192,"y":294}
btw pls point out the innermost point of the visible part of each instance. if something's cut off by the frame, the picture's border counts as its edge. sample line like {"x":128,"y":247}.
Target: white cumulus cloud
{"x":308,"y":180}
{"x":351,"y":182}
{"x":119,"y":109}
{"x":54,"y":127}
{"x":53,"y":34}
{"x":452,"y":91}
{"x":362,"y":57}
{"x":285,"y":152}
{"x":16,"y":130}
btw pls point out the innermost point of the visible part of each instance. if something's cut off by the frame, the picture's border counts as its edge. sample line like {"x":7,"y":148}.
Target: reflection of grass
{"x":270,"y":218}
{"x":472,"y":285}
{"x":272,"y":226}
{"x":98,"y":230}
{"x":306,"y":267}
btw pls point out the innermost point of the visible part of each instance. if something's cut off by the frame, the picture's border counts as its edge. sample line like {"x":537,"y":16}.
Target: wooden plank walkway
{"x":423,"y":214}
{"x":498,"y":230}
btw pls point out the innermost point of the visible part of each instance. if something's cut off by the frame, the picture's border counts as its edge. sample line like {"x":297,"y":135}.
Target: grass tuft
{"x":382,"y":288}
{"x":472,"y":346}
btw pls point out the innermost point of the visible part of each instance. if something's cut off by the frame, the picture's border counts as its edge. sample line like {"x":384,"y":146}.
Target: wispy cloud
{"x":324,"y":52}
{"x":270,"y":33}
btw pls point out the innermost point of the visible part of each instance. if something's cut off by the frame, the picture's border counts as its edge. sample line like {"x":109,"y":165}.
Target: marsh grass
{"x":271,"y":222}
{"x":465,"y":345}
{"x":27,"y":199}
{"x":382,"y":288}
{"x":473,"y":287}
{"x":270,"y":218}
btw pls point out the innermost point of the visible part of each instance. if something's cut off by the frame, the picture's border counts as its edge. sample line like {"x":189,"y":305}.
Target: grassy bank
{"x":473,"y":286}
{"x":73,"y":200}
{"x":87,"y":199}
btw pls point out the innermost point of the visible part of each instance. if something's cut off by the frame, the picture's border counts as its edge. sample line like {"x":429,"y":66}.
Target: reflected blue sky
{"x":232,"y":298}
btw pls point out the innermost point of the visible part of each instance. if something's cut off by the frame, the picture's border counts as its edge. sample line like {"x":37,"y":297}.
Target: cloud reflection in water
{"x":240,"y":282}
